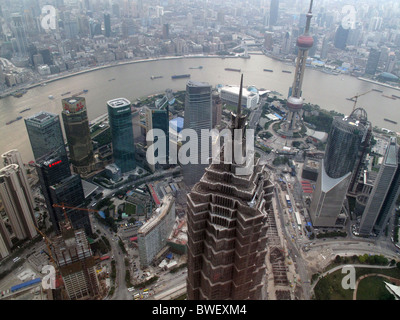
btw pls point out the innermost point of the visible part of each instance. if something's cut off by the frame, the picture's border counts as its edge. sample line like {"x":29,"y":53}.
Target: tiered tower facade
{"x":227,"y":230}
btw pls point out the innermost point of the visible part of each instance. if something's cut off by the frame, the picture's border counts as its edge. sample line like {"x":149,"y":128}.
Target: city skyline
{"x":314,"y":193}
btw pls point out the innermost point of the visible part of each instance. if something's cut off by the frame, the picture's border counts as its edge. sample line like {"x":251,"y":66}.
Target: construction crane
{"x":63,"y":206}
{"x":48,"y":243}
{"x":355,"y":98}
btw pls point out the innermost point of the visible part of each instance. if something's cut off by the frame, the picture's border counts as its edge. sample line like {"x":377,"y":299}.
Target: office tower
{"x":382,"y":200}
{"x":77,"y":131}
{"x":227,"y":230}
{"x":165,"y":31}
{"x":45,"y":134}
{"x":287,"y":43}
{"x":76,"y":264}
{"x":325,"y":48}
{"x":120,"y":119}
{"x":342,"y":152}
{"x":157,"y":118}
{"x":59,"y":186}
{"x":268,"y":40}
{"x":360,"y":115}
{"x":217,"y":109}
{"x":341,"y":36}
{"x":295,"y":101}
{"x":18,"y":29}
{"x":153,"y":235}
{"x":274,"y":12}
{"x":17,"y":200}
{"x":107,"y":25}
{"x":198,"y":116}
{"x":373,"y":61}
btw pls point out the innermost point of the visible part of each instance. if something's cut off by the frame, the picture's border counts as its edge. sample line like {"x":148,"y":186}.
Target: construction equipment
{"x":355,"y":98}
{"x":48,"y":243}
{"x":63,"y":206}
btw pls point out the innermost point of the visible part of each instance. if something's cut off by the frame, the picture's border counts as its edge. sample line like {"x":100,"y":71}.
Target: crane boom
{"x":355,"y":98}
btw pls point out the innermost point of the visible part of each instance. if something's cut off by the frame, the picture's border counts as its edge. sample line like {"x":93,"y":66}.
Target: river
{"x":133,"y":81}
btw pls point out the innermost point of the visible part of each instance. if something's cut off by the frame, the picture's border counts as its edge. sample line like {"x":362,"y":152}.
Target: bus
{"x":288,"y":201}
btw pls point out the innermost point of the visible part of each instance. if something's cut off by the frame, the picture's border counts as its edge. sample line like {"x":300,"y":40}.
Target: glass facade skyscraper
{"x":198,"y":116}
{"x":384,"y":194}
{"x":120,"y":119}
{"x":342,"y":154}
{"x":45,"y":134}
{"x":60,"y":186}
{"x":76,"y":126}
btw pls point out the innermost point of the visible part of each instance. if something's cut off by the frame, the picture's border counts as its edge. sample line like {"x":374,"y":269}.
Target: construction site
{"x":60,"y":267}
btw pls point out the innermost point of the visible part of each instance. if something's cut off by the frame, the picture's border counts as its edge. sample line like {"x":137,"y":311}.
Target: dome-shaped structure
{"x":359,"y":114}
{"x":305,"y":42}
{"x":294,"y":104}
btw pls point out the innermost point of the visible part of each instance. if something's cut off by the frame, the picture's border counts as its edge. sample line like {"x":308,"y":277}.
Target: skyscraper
{"x":341,"y":36}
{"x":76,"y":263}
{"x":157,"y":117}
{"x":107,"y":25}
{"x":18,"y":203}
{"x":382,"y":200}
{"x":274,"y":12}
{"x":198,"y":116}
{"x":227,"y":231}
{"x":373,"y":61}
{"x":295,"y":101}
{"x":45,"y":134}
{"x":18,"y":28}
{"x":77,"y":131}
{"x":342,"y":151}
{"x":120,"y":118}
{"x":60,"y":186}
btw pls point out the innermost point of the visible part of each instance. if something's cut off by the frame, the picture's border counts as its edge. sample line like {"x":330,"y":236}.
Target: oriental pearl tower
{"x":295,"y":101}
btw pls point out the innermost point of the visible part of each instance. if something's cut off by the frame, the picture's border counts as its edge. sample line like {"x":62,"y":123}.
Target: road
{"x":294,"y":252}
{"x":121,"y":291}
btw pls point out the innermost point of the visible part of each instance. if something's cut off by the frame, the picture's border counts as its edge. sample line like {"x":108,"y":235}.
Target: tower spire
{"x":239,"y":107}
{"x":295,"y":100}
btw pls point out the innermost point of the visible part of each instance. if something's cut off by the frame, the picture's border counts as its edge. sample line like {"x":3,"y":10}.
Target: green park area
{"x":371,"y":287}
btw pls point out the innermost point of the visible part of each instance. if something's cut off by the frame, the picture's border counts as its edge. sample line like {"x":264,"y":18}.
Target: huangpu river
{"x":133,"y":81}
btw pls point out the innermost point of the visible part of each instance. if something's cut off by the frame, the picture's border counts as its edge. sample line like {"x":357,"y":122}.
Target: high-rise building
{"x":268,"y":40}
{"x":5,"y":240}
{"x":45,"y":134}
{"x":382,"y":200}
{"x":76,"y":264}
{"x":59,"y":186}
{"x":295,"y":101}
{"x":17,"y":200}
{"x":217,"y":109}
{"x":227,"y":230}
{"x":77,"y":131}
{"x":107,"y":25}
{"x":153,"y":235}
{"x":18,"y":28}
{"x":120,"y":119}
{"x":337,"y":168}
{"x":198,"y":116}
{"x":341,"y":36}
{"x":274,"y":12}
{"x":373,"y":61}
{"x":157,"y":117}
